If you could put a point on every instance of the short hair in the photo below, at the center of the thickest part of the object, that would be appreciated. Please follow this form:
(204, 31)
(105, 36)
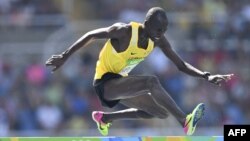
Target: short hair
(155, 12)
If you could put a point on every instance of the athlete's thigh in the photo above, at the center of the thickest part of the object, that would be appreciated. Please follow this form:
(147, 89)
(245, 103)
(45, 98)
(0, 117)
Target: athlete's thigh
(126, 87)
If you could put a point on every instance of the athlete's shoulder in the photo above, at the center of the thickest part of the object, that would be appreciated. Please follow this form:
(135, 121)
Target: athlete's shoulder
(126, 26)
(121, 28)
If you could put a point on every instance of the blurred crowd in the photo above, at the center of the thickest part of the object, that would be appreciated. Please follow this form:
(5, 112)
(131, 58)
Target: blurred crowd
(213, 35)
(24, 12)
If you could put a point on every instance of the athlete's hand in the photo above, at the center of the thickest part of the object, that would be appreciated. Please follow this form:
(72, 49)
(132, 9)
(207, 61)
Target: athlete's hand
(218, 79)
(56, 61)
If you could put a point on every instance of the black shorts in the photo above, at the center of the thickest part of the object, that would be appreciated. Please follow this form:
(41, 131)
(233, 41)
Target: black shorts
(99, 88)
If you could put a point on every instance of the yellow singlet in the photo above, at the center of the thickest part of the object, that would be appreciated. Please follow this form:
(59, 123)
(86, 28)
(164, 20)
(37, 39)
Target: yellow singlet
(123, 62)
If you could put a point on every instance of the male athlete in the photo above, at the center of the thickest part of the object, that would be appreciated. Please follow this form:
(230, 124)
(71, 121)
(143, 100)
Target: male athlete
(126, 47)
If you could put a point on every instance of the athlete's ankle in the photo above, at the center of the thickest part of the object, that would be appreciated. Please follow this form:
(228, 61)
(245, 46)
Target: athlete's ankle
(183, 121)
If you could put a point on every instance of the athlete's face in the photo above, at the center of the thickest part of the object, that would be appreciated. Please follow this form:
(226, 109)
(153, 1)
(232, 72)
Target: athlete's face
(156, 27)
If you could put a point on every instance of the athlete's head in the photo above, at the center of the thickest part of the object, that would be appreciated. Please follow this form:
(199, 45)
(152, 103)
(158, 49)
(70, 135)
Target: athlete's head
(156, 23)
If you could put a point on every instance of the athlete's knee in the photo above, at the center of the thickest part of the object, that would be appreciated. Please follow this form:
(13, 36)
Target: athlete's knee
(152, 81)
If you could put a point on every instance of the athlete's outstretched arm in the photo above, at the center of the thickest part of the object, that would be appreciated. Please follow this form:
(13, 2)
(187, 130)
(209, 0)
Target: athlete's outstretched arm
(186, 67)
(114, 31)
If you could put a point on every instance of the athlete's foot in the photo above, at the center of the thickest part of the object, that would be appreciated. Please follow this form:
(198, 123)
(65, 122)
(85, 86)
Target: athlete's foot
(193, 118)
(102, 127)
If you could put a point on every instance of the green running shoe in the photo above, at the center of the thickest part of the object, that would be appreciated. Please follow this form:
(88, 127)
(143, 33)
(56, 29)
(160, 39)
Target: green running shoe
(193, 118)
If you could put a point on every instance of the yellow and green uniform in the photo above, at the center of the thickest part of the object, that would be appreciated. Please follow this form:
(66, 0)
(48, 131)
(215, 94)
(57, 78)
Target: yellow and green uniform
(123, 62)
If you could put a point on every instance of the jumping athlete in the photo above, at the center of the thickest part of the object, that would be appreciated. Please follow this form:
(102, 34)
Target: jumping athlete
(128, 45)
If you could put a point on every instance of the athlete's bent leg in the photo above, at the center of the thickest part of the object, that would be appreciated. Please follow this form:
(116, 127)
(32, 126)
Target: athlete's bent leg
(143, 106)
(133, 86)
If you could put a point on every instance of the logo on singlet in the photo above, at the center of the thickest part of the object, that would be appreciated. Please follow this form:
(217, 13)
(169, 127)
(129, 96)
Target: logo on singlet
(131, 63)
